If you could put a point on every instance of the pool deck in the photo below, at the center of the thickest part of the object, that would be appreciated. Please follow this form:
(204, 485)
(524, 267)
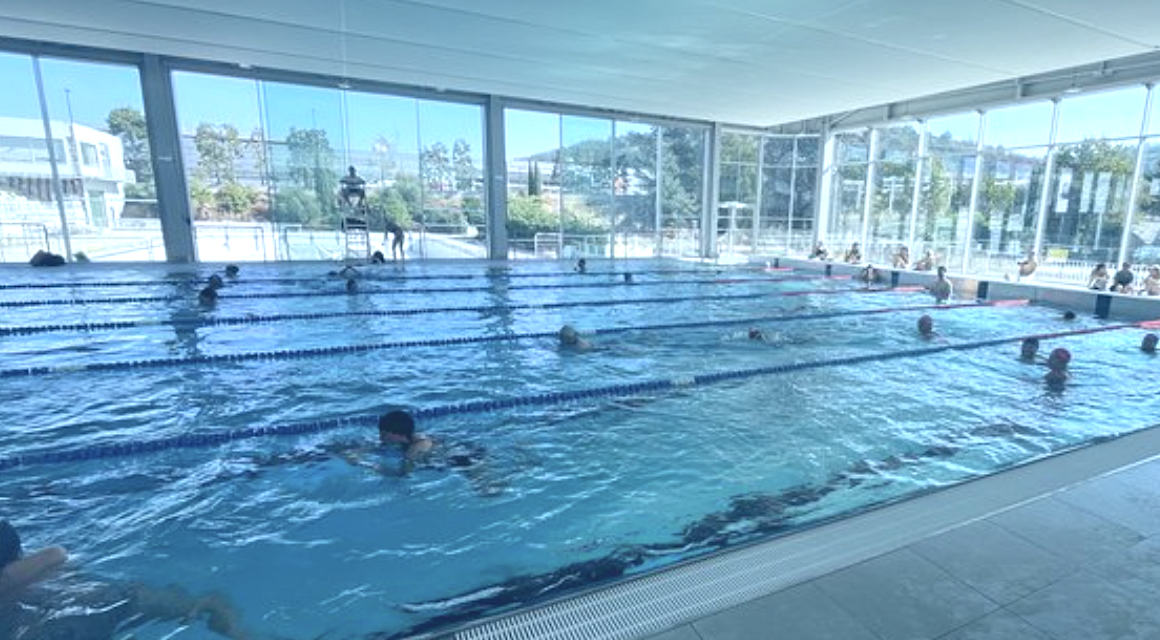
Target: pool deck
(1079, 563)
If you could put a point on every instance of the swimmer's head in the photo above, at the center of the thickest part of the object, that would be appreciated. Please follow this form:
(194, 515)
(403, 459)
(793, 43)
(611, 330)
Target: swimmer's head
(1029, 348)
(925, 325)
(1148, 344)
(215, 282)
(756, 334)
(628, 277)
(378, 258)
(942, 272)
(207, 297)
(1069, 315)
(10, 548)
(1058, 359)
(396, 427)
(569, 335)
(351, 285)
(232, 270)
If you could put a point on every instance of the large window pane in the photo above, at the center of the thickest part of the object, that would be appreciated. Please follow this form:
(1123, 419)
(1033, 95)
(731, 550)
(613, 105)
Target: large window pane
(1025, 125)
(634, 190)
(1004, 224)
(943, 208)
(682, 189)
(737, 221)
(1088, 202)
(889, 210)
(847, 202)
(1112, 114)
(452, 223)
(533, 183)
(1144, 238)
(956, 134)
(227, 172)
(586, 185)
(29, 218)
(305, 141)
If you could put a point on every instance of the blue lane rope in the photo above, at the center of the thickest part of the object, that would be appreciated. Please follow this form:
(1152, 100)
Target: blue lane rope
(199, 440)
(371, 274)
(317, 352)
(198, 322)
(344, 293)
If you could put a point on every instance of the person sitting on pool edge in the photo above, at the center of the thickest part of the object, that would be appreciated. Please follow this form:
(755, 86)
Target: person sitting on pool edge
(17, 570)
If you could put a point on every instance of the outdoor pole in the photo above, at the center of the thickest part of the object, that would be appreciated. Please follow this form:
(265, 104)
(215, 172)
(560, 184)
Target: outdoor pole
(1137, 175)
(1047, 199)
(75, 150)
(53, 160)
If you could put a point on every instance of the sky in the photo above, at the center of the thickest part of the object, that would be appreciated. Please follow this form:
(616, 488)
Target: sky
(362, 120)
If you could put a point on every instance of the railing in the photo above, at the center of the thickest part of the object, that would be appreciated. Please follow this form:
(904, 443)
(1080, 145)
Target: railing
(29, 231)
(236, 247)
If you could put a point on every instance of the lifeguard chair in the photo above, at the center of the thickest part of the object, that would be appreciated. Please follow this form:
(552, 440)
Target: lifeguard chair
(355, 226)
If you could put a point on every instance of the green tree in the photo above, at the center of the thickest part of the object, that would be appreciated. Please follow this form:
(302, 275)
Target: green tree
(258, 151)
(128, 124)
(464, 167)
(435, 168)
(534, 187)
(218, 150)
(296, 205)
(311, 166)
(529, 215)
(235, 200)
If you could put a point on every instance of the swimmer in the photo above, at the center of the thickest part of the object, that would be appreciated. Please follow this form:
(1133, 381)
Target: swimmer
(868, 275)
(215, 282)
(1057, 363)
(232, 270)
(1069, 315)
(378, 258)
(582, 266)
(820, 251)
(756, 334)
(570, 338)
(1029, 349)
(351, 286)
(1148, 344)
(207, 297)
(628, 278)
(18, 570)
(854, 254)
(926, 326)
(397, 428)
(941, 288)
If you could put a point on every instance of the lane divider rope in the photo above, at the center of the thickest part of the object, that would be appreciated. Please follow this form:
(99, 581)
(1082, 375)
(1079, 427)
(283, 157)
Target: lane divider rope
(195, 322)
(317, 352)
(370, 274)
(200, 440)
(440, 290)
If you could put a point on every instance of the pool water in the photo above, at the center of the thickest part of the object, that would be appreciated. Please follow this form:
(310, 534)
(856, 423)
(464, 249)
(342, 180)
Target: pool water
(303, 544)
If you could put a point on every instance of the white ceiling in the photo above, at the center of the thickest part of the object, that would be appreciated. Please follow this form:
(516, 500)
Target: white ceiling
(755, 62)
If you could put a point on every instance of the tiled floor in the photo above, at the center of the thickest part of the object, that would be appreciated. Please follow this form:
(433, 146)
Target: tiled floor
(1081, 564)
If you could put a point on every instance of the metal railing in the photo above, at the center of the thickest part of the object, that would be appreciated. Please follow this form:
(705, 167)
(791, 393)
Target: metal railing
(29, 238)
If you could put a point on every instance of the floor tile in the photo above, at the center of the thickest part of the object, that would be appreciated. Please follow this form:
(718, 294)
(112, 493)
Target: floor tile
(1137, 568)
(1000, 625)
(997, 563)
(1121, 500)
(902, 596)
(1073, 534)
(800, 613)
(1084, 606)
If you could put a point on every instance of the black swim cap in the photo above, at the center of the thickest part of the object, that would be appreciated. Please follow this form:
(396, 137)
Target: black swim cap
(397, 422)
(10, 549)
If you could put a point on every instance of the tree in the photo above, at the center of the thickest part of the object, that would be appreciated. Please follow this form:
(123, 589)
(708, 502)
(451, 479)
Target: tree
(311, 166)
(128, 124)
(464, 166)
(255, 147)
(218, 149)
(435, 167)
(534, 187)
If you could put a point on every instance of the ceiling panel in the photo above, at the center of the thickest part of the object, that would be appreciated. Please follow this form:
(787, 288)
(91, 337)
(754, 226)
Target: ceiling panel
(756, 62)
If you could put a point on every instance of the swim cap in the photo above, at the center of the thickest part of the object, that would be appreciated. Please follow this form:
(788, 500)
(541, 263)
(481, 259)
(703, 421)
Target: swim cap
(10, 549)
(1060, 355)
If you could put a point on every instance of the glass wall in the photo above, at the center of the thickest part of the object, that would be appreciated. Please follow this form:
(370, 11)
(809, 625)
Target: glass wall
(100, 148)
(848, 190)
(948, 172)
(893, 192)
(264, 161)
(583, 186)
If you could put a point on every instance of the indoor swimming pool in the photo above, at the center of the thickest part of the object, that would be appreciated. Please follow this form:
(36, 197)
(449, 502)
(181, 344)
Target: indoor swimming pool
(230, 451)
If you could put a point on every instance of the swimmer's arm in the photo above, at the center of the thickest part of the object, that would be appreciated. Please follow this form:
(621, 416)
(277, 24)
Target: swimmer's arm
(31, 569)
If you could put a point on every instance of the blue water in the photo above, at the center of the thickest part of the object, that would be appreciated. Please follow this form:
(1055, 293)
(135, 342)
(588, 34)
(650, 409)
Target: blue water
(303, 544)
